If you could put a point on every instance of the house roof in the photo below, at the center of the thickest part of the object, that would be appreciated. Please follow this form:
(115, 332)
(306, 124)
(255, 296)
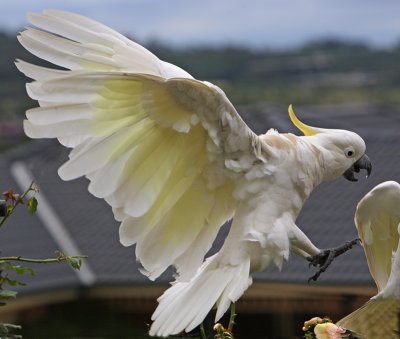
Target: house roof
(88, 223)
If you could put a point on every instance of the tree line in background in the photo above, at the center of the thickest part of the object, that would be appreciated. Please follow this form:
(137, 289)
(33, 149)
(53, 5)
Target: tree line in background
(324, 72)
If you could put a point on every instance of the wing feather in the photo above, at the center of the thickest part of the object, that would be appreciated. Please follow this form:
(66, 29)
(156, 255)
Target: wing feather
(38, 72)
(377, 219)
(57, 114)
(99, 48)
(67, 53)
(163, 151)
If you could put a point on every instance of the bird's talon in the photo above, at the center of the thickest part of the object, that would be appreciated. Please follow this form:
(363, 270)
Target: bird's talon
(319, 259)
(324, 258)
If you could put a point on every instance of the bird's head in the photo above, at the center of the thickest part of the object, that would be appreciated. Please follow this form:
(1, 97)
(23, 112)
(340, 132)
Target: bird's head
(342, 152)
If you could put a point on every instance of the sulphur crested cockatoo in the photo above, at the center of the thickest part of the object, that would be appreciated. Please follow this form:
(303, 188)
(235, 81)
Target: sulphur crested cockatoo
(174, 159)
(378, 222)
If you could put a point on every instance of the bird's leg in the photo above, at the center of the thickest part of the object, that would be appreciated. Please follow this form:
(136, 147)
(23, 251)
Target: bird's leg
(301, 244)
(325, 257)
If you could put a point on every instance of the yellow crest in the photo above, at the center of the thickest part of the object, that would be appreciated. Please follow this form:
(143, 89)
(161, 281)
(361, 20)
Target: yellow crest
(307, 130)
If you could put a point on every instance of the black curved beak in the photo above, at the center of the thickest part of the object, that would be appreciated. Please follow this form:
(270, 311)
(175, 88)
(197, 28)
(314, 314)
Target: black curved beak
(363, 163)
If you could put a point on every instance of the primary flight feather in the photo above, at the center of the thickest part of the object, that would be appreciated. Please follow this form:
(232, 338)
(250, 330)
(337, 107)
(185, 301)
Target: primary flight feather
(174, 159)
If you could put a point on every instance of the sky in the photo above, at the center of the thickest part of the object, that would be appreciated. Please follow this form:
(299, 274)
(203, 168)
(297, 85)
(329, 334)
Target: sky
(252, 23)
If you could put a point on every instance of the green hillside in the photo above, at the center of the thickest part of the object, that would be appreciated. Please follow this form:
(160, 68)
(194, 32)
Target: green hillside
(327, 72)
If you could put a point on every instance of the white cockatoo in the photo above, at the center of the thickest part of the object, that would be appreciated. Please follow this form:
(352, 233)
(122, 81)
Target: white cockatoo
(378, 222)
(174, 159)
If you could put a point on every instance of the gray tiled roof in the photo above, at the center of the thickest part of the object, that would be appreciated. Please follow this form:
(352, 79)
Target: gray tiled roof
(327, 217)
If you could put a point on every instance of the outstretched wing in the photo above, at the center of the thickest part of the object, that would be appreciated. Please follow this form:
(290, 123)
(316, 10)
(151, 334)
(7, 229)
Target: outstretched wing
(164, 150)
(377, 219)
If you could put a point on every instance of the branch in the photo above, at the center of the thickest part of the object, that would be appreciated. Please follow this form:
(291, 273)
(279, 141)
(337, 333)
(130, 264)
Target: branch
(75, 261)
(42, 261)
(10, 209)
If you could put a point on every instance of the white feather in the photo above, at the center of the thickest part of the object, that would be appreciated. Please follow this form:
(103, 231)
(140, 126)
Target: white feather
(378, 219)
(38, 72)
(185, 304)
(56, 114)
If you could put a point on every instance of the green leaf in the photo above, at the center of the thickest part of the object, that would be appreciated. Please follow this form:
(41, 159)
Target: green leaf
(20, 269)
(32, 205)
(74, 262)
(5, 264)
(11, 282)
(7, 294)
(12, 326)
(5, 330)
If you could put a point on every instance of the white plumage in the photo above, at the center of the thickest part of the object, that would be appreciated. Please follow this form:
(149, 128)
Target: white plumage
(174, 159)
(378, 222)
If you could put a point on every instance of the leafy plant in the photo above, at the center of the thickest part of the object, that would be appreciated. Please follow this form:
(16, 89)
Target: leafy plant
(14, 264)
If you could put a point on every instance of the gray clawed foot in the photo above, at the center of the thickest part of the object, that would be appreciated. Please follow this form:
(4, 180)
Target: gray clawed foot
(324, 258)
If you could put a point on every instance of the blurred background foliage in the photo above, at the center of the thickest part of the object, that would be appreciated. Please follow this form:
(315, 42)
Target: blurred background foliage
(323, 72)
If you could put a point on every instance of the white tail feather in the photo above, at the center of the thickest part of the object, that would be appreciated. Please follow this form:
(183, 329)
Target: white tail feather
(185, 304)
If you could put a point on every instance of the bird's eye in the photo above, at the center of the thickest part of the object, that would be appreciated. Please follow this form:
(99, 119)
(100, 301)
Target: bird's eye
(349, 152)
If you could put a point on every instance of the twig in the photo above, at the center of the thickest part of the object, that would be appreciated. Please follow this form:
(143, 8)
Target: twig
(202, 331)
(41, 261)
(12, 207)
(232, 317)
